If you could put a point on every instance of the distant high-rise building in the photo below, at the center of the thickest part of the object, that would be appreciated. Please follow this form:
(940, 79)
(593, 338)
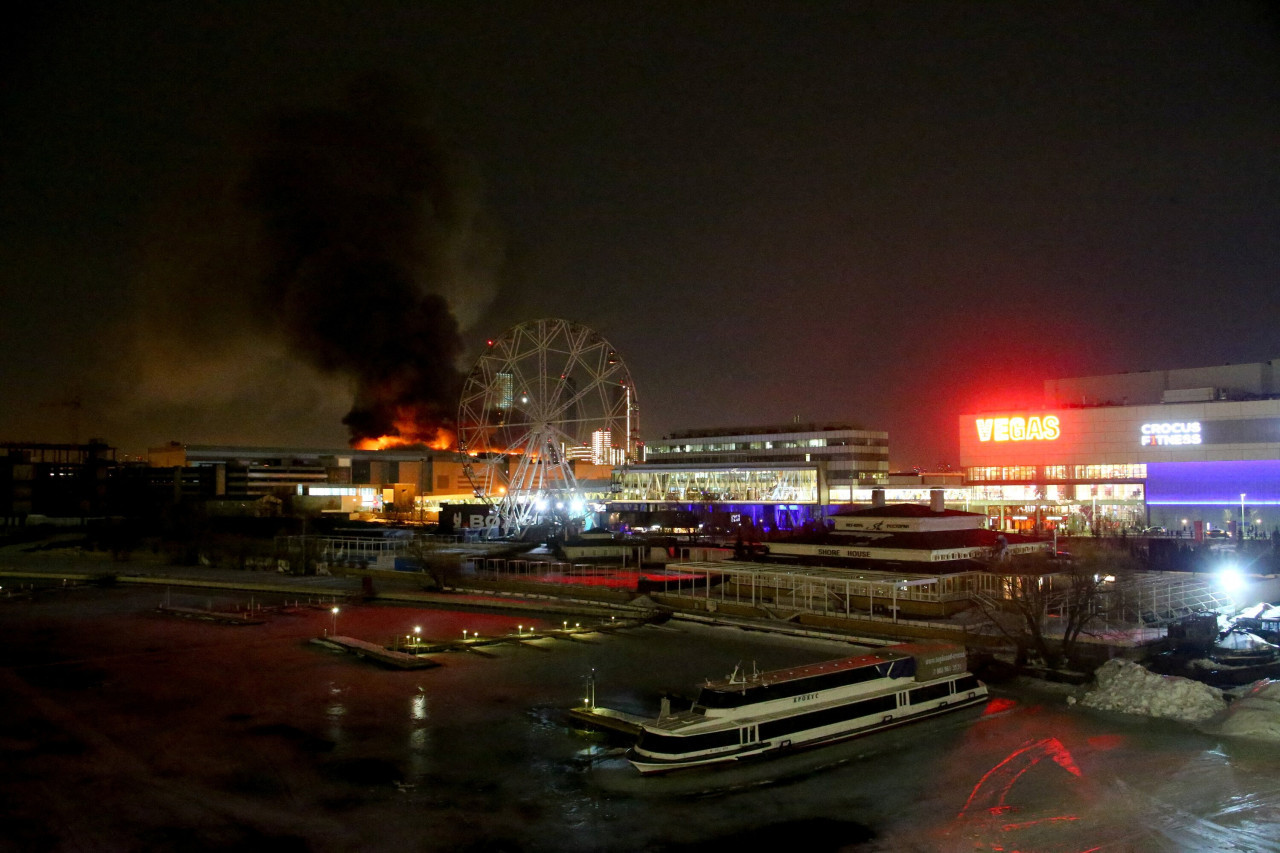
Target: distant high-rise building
(506, 390)
(601, 445)
(580, 453)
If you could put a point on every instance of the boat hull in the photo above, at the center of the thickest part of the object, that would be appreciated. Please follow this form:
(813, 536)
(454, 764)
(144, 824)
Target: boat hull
(813, 739)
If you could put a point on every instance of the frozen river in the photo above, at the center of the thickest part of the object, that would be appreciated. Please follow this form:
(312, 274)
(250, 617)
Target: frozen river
(126, 730)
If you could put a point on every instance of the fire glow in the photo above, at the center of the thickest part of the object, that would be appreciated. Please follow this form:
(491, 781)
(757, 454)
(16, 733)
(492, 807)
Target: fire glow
(409, 433)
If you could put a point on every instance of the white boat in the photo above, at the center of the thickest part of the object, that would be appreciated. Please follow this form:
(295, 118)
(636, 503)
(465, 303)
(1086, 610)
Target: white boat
(751, 716)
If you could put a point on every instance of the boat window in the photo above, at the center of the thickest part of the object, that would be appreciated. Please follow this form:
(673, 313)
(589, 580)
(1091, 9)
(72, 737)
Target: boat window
(966, 682)
(829, 716)
(676, 745)
(928, 694)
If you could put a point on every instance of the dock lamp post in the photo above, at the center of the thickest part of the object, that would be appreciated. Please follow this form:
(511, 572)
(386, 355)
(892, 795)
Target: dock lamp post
(1240, 532)
(417, 634)
(335, 621)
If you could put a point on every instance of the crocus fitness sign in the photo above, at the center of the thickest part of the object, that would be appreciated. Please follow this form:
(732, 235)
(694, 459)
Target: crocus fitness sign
(1178, 432)
(1017, 428)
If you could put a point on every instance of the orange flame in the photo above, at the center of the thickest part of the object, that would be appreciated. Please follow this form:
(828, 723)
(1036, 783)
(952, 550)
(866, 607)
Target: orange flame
(408, 433)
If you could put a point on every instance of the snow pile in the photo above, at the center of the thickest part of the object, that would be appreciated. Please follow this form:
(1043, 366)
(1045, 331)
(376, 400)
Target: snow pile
(1256, 714)
(1126, 687)
(1261, 610)
(1241, 642)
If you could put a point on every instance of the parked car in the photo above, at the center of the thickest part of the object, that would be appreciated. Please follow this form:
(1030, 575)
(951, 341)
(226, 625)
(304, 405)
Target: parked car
(1156, 531)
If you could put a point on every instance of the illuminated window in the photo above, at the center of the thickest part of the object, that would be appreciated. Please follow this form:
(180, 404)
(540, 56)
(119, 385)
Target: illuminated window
(1110, 472)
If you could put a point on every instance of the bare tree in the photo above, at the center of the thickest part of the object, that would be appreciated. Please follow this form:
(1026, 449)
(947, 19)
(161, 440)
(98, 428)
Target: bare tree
(432, 558)
(1020, 610)
(1046, 604)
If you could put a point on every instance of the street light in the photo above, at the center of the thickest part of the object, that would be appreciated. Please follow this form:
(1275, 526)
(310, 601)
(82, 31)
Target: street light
(1231, 580)
(335, 621)
(417, 634)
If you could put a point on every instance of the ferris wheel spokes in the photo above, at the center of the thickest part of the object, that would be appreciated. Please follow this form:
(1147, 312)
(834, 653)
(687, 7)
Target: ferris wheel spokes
(542, 391)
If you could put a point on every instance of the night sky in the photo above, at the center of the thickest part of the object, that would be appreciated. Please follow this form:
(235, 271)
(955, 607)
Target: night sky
(213, 216)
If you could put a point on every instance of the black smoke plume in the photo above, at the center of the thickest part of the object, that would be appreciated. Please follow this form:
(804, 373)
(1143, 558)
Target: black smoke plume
(364, 222)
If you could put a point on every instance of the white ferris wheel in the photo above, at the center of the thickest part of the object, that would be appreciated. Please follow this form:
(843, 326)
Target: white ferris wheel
(544, 395)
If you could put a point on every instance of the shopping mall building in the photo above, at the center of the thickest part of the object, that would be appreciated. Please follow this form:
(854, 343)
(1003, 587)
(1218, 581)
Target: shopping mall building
(1188, 450)
(772, 477)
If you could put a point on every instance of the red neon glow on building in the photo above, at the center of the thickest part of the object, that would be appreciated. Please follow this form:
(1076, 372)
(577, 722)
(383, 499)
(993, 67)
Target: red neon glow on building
(1018, 428)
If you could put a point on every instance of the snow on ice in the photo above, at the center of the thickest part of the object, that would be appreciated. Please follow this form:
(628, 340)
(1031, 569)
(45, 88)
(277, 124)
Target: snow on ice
(1256, 714)
(1127, 687)
(1250, 712)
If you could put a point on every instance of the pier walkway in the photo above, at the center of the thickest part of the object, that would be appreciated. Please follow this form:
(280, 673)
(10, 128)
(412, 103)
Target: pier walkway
(360, 648)
(608, 718)
(227, 617)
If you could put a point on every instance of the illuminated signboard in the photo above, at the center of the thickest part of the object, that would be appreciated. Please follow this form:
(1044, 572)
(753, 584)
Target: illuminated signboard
(1034, 428)
(1173, 433)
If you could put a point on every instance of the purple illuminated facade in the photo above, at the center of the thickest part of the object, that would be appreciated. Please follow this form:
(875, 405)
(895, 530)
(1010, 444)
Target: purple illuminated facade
(1214, 483)
(1216, 493)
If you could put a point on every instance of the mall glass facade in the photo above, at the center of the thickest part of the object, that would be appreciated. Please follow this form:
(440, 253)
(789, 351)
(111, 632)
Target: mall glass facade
(768, 497)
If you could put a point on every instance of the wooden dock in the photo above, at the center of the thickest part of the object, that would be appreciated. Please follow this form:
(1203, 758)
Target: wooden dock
(377, 653)
(415, 650)
(526, 638)
(608, 718)
(239, 617)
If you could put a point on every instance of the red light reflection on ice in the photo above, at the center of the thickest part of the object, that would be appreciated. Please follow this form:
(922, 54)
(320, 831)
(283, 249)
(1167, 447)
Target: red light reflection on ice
(988, 799)
(1010, 827)
(998, 705)
(1104, 742)
(995, 784)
